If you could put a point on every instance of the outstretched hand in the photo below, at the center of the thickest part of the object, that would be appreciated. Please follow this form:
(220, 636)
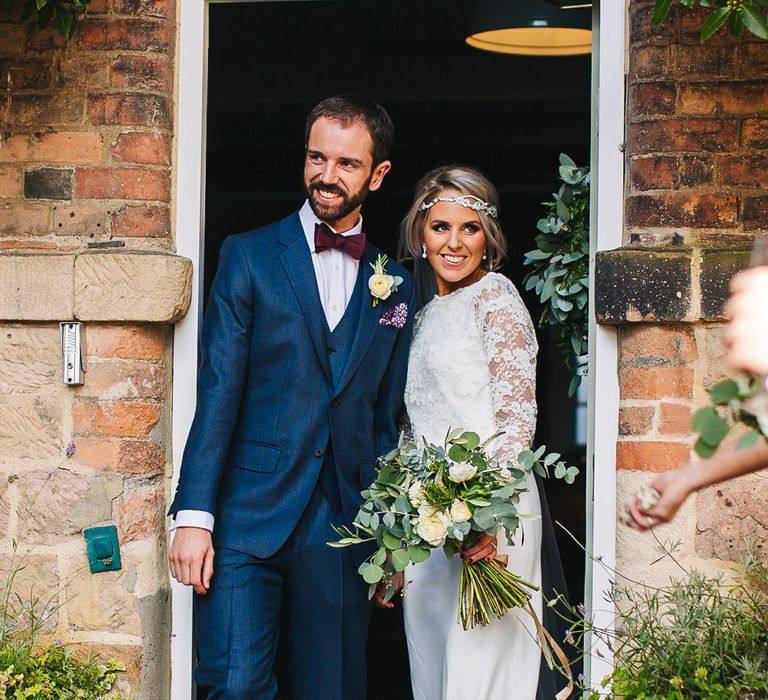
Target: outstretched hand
(673, 488)
(191, 558)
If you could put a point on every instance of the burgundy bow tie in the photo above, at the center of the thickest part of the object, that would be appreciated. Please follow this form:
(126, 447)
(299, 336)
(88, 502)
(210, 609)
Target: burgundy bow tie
(351, 245)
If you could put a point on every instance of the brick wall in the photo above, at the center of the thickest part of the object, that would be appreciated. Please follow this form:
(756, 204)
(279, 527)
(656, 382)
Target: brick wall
(86, 130)
(697, 150)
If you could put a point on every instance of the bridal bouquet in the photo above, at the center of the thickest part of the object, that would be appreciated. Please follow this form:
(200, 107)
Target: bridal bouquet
(447, 496)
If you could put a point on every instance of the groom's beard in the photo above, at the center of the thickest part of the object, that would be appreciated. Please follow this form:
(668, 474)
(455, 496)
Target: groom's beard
(334, 212)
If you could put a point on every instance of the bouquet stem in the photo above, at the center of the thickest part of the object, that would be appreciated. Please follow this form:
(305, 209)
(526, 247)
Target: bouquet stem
(487, 591)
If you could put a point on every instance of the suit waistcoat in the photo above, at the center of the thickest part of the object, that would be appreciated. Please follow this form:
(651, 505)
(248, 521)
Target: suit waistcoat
(339, 343)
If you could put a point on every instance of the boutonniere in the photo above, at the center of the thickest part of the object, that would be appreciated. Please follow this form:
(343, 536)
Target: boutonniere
(380, 283)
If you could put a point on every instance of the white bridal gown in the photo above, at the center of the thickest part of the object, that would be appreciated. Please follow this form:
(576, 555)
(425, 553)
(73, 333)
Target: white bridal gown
(473, 366)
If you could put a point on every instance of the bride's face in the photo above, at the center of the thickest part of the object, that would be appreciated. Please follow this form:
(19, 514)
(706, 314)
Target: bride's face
(455, 243)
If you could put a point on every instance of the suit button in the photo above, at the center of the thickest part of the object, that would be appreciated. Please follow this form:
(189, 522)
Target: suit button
(335, 403)
(319, 452)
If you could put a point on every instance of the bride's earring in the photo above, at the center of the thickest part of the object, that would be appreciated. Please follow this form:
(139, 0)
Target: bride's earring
(423, 250)
(485, 257)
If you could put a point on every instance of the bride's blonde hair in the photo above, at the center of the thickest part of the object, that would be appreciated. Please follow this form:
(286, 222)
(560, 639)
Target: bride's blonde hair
(466, 181)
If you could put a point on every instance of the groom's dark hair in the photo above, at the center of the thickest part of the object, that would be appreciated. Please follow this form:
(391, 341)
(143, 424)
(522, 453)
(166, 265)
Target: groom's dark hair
(348, 109)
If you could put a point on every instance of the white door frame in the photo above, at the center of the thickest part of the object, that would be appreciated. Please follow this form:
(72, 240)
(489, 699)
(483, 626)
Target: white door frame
(608, 194)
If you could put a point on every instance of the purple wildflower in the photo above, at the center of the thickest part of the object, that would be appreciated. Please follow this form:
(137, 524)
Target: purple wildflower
(70, 449)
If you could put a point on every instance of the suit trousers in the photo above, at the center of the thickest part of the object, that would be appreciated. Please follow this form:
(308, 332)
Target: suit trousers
(323, 599)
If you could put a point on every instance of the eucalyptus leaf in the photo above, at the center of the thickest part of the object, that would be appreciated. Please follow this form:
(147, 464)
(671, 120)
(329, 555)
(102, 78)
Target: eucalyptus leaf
(390, 541)
(724, 391)
(400, 559)
(372, 573)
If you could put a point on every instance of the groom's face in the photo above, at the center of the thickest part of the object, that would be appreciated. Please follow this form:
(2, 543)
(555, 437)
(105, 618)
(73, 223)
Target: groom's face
(339, 171)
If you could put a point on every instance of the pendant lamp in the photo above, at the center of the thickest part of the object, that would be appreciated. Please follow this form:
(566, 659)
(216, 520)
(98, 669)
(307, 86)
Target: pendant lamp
(531, 27)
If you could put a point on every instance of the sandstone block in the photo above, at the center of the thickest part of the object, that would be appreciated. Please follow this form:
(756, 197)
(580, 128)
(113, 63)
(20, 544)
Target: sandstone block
(126, 418)
(84, 220)
(30, 358)
(138, 514)
(36, 287)
(31, 424)
(132, 287)
(110, 381)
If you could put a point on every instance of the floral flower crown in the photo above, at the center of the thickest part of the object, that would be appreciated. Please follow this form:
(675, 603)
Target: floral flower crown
(465, 200)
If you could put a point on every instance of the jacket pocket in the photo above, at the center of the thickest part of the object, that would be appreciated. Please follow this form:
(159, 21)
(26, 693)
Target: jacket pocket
(254, 456)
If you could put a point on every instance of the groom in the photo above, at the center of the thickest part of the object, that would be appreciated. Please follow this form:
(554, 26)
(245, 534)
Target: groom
(301, 381)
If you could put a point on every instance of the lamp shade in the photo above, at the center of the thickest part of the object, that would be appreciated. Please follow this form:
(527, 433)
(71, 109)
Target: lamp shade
(530, 27)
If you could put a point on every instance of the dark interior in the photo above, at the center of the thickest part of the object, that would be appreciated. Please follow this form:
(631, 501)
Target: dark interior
(270, 62)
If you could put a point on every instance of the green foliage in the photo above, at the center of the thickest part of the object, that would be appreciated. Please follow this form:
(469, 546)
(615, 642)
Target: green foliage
(560, 263)
(737, 14)
(62, 14)
(690, 639)
(29, 670)
(734, 402)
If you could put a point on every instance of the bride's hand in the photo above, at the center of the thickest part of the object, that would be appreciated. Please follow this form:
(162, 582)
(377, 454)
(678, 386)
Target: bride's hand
(484, 548)
(395, 581)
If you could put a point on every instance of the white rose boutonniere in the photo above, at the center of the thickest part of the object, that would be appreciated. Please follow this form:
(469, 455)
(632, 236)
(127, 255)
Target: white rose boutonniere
(381, 284)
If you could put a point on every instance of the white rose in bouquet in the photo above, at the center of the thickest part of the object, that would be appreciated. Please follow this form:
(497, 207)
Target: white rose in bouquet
(460, 511)
(460, 472)
(415, 494)
(432, 526)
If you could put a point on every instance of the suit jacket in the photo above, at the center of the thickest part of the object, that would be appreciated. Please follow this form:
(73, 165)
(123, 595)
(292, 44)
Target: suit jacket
(267, 406)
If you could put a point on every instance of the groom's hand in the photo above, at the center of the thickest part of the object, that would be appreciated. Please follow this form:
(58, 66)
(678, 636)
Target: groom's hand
(191, 558)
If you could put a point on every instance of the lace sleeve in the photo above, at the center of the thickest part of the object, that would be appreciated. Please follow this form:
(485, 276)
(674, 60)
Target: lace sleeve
(510, 348)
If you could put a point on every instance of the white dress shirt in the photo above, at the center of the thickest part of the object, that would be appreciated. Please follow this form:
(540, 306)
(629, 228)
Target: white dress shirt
(336, 275)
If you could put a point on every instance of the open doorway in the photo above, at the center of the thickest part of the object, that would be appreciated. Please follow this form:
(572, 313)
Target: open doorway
(269, 62)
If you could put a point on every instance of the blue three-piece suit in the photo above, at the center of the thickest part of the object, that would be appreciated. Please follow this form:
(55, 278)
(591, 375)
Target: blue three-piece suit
(290, 419)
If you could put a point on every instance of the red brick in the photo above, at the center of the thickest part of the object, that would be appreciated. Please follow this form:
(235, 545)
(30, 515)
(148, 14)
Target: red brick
(126, 456)
(12, 38)
(164, 9)
(142, 73)
(22, 220)
(687, 348)
(51, 109)
(656, 382)
(83, 416)
(151, 222)
(740, 98)
(26, 74)
(649, 62)
(652, 99)
(130, 110)
(126, 418)
(754, 60)
(138, 147)
(754, 133)
(702, 211)
(674, 419)
(125, 342)
(137, 514)
(62, 147)
(10, 182)
(39, 40)
(654, 173)
(122, 183)
(743, 171)
(636, 420)
(651, 456)
(82, 71)
(681, 135)
(707, 61)
(126, 35)
(27, 245)
(695, 171)
(642, 29)
(647, 345)
(754, 213)
(121, 379)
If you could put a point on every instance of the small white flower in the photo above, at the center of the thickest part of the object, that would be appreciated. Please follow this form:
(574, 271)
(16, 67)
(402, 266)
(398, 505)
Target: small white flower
(432, 526)
(461, 471)
(415, 494)
(381, 286)
(460, 511)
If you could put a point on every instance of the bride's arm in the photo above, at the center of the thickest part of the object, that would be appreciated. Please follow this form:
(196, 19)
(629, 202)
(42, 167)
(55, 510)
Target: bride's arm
(510, 348)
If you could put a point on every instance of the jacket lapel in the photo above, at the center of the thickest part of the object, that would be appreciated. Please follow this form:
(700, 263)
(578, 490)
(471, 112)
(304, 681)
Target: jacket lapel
(298, 267)
(367, 324)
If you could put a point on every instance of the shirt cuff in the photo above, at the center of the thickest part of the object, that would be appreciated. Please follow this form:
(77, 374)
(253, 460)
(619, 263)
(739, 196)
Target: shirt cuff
(193, 518)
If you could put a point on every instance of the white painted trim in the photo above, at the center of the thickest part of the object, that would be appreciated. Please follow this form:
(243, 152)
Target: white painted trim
(190, 158)
(607, 224)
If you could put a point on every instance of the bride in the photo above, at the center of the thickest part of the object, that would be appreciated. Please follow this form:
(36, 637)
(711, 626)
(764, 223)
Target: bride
(473, 366)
